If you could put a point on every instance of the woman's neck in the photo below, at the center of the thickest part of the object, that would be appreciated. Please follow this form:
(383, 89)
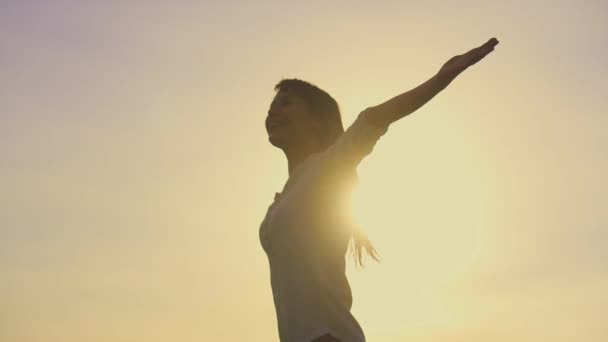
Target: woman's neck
(296, 156)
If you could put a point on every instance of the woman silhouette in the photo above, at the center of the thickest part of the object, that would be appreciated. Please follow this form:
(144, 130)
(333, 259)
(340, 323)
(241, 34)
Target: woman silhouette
(306, 230)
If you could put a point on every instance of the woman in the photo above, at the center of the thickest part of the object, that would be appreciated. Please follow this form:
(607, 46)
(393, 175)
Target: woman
(306, 230)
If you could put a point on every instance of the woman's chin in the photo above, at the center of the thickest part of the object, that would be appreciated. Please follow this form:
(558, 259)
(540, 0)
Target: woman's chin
(276, 140)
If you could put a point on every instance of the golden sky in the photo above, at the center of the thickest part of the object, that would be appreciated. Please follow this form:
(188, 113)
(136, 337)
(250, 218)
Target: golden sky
(136, 170)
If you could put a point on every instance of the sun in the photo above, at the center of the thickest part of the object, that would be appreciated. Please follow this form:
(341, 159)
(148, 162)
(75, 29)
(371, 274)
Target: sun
(426, 226)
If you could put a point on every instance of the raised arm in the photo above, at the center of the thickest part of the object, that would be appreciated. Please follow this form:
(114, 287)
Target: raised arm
(359, 139)
(408, 102)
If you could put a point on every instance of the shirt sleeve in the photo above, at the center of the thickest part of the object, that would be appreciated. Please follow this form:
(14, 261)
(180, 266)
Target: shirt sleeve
(356, 142)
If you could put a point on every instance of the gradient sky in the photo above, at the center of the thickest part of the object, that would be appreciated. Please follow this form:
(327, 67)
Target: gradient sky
(135, 168)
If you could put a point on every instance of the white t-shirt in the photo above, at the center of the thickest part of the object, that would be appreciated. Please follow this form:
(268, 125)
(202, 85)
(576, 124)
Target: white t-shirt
(305, 235)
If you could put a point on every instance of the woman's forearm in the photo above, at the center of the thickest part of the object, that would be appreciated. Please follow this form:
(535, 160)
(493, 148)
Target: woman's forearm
(408, 102)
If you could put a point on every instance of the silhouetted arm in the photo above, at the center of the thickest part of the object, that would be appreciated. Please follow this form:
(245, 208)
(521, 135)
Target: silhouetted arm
(372, 123)
(408, 102)
(356, 142)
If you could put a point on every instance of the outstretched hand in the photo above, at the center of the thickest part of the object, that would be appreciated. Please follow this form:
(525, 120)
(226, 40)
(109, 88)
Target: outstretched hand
(460, 63)
(408, 102)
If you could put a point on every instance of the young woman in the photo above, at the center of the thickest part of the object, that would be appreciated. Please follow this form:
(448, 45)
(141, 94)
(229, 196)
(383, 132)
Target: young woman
(306, 230)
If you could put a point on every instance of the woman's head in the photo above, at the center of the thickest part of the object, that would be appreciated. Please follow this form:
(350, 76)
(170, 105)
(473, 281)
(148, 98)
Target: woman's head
(302, 113)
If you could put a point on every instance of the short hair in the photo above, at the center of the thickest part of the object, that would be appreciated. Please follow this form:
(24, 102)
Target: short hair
(322, 105)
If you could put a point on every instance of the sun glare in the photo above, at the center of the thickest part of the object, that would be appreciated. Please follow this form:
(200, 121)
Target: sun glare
(425, 219)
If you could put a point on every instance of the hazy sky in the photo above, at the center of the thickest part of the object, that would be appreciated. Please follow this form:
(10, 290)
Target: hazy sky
(135, 168)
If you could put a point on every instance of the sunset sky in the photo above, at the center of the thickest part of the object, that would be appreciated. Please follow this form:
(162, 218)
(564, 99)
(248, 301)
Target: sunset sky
(135, 167)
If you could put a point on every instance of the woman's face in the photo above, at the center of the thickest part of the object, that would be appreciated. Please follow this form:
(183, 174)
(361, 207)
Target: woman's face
(290, 121)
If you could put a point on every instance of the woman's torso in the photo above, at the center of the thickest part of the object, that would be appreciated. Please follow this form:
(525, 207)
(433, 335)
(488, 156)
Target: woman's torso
(305, 236)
